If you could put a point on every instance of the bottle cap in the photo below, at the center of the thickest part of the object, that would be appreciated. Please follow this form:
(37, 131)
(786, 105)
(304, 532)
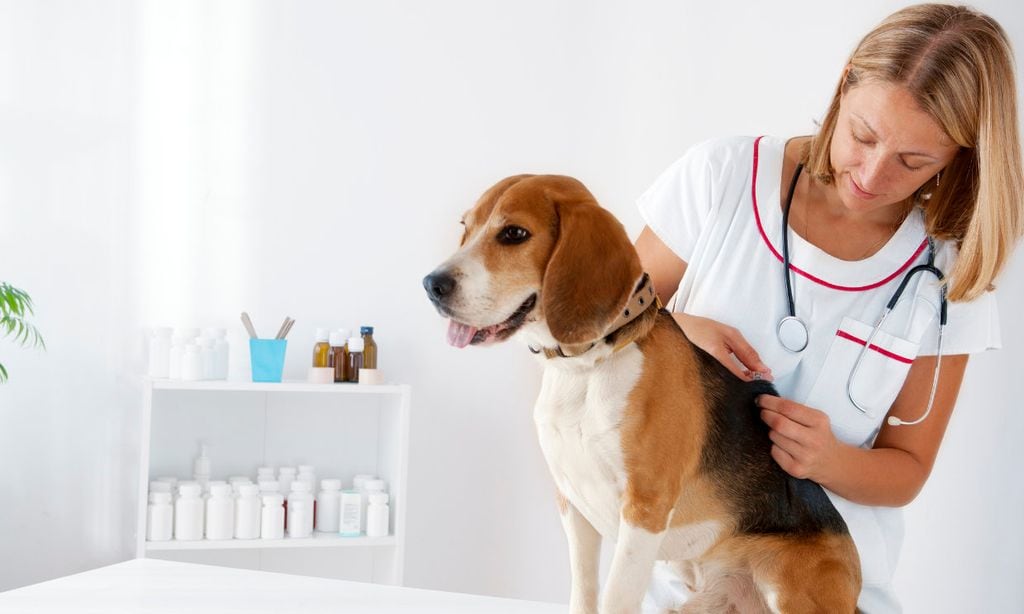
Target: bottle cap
(220, 490)
(375, 486)
(159, 486)
(337, 339)
(377, 497)
(330, 484)
(298, 486)
(360, 479)
(343, 332)
(355, 344)
(267, 486)
(189, 489)
(366, 330)
(265, 471)
(159, 497)
(322, 335)
(273, 499)
(248, 490)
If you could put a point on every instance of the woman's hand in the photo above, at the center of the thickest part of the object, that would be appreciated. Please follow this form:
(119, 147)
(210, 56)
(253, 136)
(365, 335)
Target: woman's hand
(802, 440)
(726, 344)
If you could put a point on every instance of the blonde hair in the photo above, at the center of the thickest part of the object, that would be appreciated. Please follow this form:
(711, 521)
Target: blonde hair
(958, 65)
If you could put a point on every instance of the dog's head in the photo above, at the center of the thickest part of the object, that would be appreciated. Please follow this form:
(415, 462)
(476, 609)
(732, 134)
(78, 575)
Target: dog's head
(538, 254)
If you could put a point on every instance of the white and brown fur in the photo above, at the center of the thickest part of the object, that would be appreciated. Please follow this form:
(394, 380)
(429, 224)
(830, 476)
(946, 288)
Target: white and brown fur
(651, 442)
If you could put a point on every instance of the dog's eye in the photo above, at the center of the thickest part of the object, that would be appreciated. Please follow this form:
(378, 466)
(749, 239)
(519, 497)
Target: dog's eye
(511, 235)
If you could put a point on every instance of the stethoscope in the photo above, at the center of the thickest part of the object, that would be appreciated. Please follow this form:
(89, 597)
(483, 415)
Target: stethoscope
(792, 331)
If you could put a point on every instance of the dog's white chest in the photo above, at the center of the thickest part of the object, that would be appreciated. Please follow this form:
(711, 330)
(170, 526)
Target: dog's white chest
(578, 414)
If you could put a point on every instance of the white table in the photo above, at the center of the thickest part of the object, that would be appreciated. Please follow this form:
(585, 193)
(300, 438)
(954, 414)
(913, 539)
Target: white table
(152, 585)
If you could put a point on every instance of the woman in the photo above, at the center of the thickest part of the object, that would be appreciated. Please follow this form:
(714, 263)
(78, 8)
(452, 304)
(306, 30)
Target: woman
(918, 158)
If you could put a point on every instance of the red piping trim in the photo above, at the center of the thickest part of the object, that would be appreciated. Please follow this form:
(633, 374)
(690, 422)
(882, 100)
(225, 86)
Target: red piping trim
(797, 270)
(882, 351)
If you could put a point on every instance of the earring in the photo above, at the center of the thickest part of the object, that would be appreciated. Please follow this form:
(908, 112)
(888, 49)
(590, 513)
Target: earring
(938, 175)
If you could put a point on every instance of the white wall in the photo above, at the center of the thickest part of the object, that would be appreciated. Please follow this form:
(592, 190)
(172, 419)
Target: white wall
(179, 162)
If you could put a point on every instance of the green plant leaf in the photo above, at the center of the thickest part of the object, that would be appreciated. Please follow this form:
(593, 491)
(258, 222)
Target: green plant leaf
(3, 374)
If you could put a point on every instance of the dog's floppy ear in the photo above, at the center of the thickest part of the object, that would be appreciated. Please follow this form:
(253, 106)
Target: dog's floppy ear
(592, 270)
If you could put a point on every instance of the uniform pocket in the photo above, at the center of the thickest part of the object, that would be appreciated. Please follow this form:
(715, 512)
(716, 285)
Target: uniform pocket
(874, 385)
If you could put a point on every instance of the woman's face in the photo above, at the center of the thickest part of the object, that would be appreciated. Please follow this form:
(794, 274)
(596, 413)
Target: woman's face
(884, 147)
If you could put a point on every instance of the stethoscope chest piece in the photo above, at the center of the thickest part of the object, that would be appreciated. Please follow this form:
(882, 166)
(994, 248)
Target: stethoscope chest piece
(792, 334)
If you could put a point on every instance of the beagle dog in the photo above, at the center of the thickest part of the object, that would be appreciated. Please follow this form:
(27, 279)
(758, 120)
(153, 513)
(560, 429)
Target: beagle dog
(651, 442)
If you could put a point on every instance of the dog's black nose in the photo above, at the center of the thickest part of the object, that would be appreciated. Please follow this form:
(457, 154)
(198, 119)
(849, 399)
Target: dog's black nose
(439, 285)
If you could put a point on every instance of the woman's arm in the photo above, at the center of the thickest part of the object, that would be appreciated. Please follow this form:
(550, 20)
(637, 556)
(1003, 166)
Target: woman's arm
(723, 342)
(891, 473)
(661, 263)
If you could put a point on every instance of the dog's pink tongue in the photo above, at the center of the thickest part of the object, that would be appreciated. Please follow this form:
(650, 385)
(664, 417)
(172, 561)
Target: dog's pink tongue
(460, 334)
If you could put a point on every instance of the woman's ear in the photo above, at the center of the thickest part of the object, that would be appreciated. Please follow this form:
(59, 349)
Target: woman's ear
(591, 272)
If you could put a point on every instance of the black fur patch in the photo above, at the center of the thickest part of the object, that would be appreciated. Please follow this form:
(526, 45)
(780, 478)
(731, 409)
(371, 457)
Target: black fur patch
(764, 498)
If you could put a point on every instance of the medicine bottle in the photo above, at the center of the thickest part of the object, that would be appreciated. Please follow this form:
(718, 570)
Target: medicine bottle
(339, 355)
(322, 348)
(220, 351)
(355, 359)
(188, 512)
(192, 363)
(300, 511)
(176, 354)
(377, 515)
(159, 516)
(328, 506)
(272, 517)
(265, 473)
(247, 512)
(208, 356)
(220, 513)
(285, 477)
(370, 487)
(369, 348)
(351, 514)
(160, 352)
(307, 475)
(269, 487)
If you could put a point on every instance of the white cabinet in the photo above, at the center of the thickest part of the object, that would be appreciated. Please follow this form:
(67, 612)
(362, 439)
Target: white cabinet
(341, 429)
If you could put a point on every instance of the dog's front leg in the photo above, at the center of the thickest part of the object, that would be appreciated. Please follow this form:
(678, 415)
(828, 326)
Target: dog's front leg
(584, 557)
(641, 530)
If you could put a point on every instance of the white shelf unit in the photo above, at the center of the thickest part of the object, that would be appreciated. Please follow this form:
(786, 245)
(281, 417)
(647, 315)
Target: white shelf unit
(340, 429)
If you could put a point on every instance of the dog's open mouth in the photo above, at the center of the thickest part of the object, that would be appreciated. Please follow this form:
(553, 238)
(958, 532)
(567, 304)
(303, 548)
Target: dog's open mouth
(460, 335)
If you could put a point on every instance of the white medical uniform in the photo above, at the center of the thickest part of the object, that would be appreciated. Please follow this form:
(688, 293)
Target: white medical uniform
(719, 209)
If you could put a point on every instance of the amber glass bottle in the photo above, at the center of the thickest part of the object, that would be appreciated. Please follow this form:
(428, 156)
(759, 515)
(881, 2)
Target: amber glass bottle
(321, 349)
(339, 355)
(369, 348)
(355, 359)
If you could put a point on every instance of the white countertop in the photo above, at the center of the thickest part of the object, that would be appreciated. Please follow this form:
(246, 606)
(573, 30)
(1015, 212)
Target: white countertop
(152, 585)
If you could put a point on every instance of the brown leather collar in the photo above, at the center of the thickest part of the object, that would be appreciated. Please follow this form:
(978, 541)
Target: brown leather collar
(641, 300)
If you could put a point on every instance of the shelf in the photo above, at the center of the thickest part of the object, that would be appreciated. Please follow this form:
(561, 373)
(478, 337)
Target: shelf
(286, 386)
(319, 540)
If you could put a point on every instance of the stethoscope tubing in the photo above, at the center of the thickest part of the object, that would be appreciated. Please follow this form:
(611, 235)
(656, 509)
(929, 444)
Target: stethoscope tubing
(792, 320)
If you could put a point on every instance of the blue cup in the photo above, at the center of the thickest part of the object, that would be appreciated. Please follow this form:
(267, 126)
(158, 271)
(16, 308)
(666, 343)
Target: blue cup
(267, 359)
